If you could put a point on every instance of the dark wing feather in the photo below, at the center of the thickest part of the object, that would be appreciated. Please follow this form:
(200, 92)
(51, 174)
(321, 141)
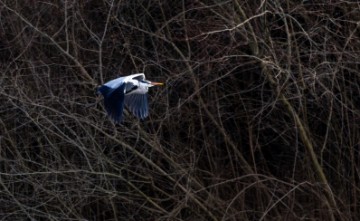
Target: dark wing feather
(114, 101)
(138, 105)
(130, 87)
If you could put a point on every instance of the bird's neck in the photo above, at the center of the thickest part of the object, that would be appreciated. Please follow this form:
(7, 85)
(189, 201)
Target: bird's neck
(142, 88)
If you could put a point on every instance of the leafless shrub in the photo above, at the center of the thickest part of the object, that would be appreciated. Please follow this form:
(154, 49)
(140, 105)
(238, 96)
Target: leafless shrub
(259, 119)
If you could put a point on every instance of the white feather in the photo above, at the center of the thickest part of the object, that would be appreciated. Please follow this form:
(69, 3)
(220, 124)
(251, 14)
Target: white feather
(119, 81)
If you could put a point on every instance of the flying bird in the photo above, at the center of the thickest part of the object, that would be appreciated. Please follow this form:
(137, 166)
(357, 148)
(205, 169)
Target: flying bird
(130, 91)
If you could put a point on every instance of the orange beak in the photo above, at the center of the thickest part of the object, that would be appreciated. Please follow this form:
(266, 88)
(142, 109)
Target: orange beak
(157, 83)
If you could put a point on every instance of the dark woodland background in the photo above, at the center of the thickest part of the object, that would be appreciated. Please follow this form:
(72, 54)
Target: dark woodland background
(258, 119)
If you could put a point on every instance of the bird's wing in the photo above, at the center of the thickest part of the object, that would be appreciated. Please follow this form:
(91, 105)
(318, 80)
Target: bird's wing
(116, 82)
(114, 101)
(137, 104)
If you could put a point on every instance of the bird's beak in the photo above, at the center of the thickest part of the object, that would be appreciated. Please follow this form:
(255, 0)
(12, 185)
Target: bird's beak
(156, 83)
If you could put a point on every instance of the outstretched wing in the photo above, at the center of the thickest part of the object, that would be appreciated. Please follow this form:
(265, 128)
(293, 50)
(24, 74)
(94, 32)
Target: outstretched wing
(138, 105)
(116, 82)
(114, 101)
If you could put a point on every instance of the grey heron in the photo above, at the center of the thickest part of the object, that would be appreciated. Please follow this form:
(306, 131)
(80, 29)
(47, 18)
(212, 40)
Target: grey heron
(130, 91)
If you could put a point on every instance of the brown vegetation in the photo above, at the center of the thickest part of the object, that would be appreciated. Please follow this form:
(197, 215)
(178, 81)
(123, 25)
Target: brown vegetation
(259, 119)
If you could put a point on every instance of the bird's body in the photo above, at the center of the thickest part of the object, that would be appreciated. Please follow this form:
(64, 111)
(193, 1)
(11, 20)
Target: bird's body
(130, 91)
